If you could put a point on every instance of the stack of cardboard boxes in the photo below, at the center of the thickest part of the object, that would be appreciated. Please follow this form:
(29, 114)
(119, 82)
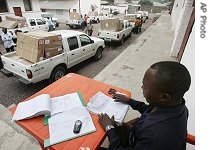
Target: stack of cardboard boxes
(74, 16)
(130, 17)
(21, 21)
(112, 24)
(36, 46)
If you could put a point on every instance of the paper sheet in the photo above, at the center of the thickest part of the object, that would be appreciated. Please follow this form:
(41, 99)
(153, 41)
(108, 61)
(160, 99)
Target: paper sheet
(65, 103)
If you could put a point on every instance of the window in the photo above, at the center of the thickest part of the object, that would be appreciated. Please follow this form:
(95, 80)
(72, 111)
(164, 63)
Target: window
(74, 10)
(85, 40)
(3, 6)
(32, 22)
(27, 5)
(39, 22)
(73, 43)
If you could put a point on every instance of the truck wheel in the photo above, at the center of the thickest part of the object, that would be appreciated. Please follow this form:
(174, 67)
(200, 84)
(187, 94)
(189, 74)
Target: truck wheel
(98, 54)
(71, 27)
(122, 40)
(57, 73)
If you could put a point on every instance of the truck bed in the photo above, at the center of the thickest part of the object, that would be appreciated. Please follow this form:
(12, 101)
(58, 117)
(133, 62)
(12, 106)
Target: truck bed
(16, 58)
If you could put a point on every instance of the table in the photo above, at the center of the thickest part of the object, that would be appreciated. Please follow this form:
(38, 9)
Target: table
(69, 84)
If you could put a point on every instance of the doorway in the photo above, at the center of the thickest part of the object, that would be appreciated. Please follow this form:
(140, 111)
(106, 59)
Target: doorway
(17, 11)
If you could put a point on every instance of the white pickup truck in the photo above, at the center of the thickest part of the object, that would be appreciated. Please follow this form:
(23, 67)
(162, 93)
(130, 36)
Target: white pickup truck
(77, 47)
(23, 24)
(117, 36)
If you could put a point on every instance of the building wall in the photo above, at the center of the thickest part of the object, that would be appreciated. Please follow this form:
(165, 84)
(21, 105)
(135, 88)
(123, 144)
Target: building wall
(188, 59)
(85, 6)
(181, 13)
(19, 3)
(61, 14)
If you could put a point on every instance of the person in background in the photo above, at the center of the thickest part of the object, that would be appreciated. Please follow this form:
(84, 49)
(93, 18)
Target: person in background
(89, 28)
(163, 123)
(137, 25)
(85, 23)
(82, 23)
(50, 24)
(7, 39)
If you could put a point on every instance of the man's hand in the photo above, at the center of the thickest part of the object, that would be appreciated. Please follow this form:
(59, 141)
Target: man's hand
(121, 98)
(105, 120)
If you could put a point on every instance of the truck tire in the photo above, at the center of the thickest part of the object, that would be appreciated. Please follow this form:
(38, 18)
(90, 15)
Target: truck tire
(122, 40)
(98, 54)
(57, 73)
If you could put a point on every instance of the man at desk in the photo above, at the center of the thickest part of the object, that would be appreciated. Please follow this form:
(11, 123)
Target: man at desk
(163, 123)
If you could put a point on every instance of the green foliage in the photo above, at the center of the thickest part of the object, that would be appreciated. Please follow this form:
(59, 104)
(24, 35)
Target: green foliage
(146, 3)
(129, 1)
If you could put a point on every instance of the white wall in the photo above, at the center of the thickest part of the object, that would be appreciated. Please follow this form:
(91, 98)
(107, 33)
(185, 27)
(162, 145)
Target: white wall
(62, 15)
(85, 6)
(181, 13)
(19, 3)
(188, 59)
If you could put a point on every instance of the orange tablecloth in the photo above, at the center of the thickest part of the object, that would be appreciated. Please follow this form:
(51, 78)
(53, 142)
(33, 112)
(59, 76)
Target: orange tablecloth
(69, 84)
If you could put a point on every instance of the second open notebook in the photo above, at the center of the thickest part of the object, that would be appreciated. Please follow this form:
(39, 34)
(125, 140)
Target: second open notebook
(101, 103)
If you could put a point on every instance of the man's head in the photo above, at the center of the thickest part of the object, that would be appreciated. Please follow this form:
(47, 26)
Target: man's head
(48, 18)
(4, 30)
(165, 83)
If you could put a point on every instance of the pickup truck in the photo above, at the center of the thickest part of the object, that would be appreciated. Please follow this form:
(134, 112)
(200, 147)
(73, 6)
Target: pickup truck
(117, 36)
(73, 23)
(77, 47)
(23, 24)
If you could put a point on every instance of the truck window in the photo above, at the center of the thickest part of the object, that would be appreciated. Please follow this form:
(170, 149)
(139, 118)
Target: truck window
(32, 22)
(85, 40)
(73, 43)
(39, 22)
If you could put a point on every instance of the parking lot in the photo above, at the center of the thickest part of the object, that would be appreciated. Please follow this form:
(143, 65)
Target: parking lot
(12, 91)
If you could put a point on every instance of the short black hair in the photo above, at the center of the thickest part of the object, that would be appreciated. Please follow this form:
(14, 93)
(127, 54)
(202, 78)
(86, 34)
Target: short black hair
(172, 77)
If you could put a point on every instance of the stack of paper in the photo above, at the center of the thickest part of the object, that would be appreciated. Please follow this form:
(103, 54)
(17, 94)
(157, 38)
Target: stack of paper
(100, 103)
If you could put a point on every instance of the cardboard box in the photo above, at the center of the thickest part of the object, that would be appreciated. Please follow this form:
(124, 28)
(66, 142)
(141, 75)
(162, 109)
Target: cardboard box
(8, 24)
(111, 24)
(50, 52)
(130, 17)
(34, 46)
(73, 15)
(21, 21)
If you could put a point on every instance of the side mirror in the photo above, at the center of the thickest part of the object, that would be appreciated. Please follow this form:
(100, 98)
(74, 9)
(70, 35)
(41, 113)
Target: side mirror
(92, 41)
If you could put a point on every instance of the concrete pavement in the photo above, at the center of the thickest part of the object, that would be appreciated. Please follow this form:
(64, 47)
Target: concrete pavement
(125, 71)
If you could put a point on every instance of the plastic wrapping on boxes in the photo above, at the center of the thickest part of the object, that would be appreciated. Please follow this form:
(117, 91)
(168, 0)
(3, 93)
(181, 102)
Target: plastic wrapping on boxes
(36, 46)
(112, 24)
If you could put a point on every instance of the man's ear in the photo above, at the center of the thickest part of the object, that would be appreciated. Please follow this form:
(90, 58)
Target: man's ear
(164, 97)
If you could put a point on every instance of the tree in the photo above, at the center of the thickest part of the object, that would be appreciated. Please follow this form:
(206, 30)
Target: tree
(129, 1)
(146, 2)
(110, 1)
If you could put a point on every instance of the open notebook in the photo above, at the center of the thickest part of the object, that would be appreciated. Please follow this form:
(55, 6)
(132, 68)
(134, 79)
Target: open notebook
(45, 105)
(101, 103)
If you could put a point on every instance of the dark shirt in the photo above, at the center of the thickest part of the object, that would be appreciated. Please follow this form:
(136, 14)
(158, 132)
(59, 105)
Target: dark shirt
(164, 129)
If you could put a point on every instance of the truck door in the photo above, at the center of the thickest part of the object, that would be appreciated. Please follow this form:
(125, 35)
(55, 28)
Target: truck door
(87, 47)
(32, 25)
(73, 51)
(41, 25)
